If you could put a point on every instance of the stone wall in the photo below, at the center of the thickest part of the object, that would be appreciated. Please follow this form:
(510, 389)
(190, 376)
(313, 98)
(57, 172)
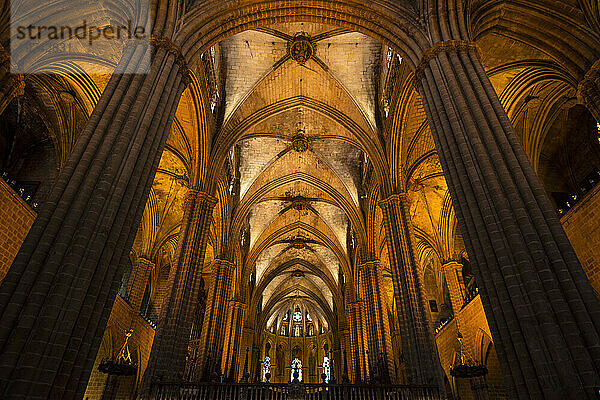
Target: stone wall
(477, 345)
(122, 318)
(16, 217)
(582, 224)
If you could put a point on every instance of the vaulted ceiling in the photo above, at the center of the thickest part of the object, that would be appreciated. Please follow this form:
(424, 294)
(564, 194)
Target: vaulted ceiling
(299, 159)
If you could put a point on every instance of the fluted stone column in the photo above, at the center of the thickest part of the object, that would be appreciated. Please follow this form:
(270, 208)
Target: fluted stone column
(479, 388)
(138, 281)
(456, 286)
(11, 85)
(57, 296)
(212, 339)
(542, 311)
(111, 387)
(238, 311)
(355, 343)
(346, 350)
(377, 324)
(169, 349)
(589, 90)
(418, 345)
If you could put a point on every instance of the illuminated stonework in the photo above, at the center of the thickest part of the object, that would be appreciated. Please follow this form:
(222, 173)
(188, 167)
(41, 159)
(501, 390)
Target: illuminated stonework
(301, 49)
(300, 142)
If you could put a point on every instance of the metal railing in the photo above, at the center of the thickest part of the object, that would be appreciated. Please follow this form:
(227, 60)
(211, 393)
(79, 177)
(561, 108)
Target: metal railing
(283, 391)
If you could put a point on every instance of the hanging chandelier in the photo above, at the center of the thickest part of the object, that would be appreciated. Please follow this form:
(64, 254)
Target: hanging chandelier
(122, 364)
(467, 368)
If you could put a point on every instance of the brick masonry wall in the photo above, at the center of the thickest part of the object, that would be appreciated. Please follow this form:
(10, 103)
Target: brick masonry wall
(122, 318)
(582, 224)
(16, 217)
(476, 337)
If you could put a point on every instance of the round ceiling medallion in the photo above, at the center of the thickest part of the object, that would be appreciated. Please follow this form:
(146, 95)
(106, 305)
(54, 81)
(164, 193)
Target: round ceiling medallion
(300, 142)
(301, 49)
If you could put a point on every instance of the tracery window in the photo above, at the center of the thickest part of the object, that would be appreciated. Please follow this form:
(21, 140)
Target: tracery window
(266, 368)
(297, 315)
(296, 365)
(326, 369)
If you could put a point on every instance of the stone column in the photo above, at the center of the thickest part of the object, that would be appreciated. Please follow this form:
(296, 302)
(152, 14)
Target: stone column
(11, 85)
(589, 90)
(346, 350)
(138, 281)
(56, 298)
(355, 343)
(418, 345)
(238, 311)
(169, 349)
(542, 311)
(111, 387)
(479, 388)
(456, 285)
(376, 321)
(212, 339)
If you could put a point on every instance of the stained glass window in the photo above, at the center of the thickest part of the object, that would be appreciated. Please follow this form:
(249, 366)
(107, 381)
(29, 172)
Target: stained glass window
(297, 315)
(326, 369)
(598, 133)
(266, 368)
(296, 365)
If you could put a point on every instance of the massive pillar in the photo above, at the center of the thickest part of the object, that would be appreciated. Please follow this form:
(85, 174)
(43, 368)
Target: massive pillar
(589, 90)
(456, 286)
(542, 311)
(212, 339)
(376, 321)
(138, 282)
(11, 85)
(57, 296)
(237, 312)
(355, 342)
(420, 353)
(169, 349)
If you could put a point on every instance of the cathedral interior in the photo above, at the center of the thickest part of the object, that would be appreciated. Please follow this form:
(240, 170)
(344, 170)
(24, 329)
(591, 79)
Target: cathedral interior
(316, 194)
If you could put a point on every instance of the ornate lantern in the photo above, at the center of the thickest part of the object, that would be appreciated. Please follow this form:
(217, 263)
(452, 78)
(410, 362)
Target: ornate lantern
(122, 364)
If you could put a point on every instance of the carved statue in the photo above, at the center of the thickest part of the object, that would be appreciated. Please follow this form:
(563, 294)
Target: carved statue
(279, 355)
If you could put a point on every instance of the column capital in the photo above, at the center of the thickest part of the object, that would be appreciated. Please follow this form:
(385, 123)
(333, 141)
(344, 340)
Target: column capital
(4, 55)
(395, 198)
(20, 90)
(588, 90)
(451, 265)
(369, 265)
(161, 42)
(356, 303)
(145, 260)
(237, 304)
(225, 264)
(194, 193)
(447, 46)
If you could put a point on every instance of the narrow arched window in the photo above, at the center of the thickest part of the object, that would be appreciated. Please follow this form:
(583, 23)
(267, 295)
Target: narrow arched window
(266, 368)
(296, 366)
(326, 369)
